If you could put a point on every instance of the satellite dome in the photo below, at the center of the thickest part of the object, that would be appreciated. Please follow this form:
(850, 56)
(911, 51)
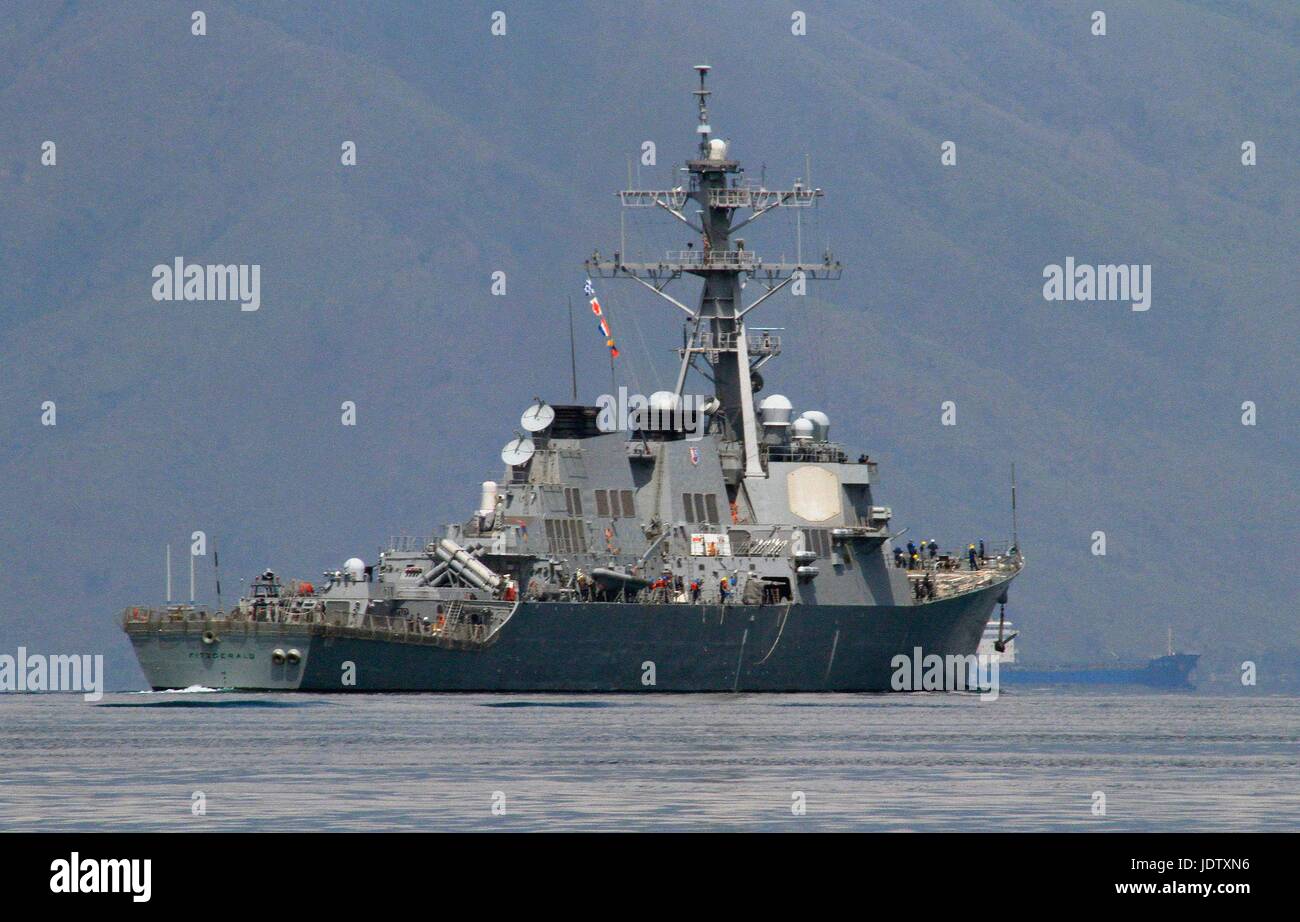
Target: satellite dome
(717, 149)
(775, 410)
(355, 568)
(803, 430)
(665, 400)
(821, 423)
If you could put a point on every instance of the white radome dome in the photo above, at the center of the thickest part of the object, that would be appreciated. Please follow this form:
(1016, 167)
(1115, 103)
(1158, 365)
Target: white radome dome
(775, 410)
(664, 400)
(821, 423)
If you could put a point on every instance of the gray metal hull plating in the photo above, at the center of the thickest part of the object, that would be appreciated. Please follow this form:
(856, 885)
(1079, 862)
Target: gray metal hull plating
(591, 647)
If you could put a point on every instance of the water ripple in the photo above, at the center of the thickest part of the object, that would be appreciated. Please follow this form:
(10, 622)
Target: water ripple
(655, 762)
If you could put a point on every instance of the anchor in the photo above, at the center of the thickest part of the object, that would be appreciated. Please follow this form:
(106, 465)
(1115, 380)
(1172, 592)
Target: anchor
(1001, 643)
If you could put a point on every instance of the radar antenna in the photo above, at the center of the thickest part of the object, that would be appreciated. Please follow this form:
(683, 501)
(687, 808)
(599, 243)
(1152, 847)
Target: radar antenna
(716, 327)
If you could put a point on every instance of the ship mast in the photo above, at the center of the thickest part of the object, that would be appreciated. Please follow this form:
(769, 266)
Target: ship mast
(716, 327)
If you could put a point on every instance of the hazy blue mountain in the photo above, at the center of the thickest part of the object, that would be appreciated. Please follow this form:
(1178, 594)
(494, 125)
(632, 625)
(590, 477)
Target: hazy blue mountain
(479, 153)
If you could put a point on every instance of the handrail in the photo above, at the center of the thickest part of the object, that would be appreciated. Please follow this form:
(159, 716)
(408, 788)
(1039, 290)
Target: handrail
(461, 621)
(996, 554)
(728, 259)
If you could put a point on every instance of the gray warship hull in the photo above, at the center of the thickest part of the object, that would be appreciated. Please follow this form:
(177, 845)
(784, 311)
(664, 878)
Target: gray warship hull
(586, 647)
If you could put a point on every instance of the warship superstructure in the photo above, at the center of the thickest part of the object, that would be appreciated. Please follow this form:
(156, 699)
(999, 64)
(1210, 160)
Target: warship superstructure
(716, 546)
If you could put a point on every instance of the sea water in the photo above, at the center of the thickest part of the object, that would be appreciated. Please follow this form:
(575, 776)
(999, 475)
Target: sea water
(1031, 760)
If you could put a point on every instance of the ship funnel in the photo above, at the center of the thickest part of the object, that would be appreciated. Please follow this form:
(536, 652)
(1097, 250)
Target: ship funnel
(803, 430)
(821, 424)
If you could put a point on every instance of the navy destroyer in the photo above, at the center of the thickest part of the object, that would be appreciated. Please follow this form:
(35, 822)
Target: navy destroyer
(711, 545)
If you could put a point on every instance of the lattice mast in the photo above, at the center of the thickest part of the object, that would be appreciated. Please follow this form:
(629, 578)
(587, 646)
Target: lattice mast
(716, 327)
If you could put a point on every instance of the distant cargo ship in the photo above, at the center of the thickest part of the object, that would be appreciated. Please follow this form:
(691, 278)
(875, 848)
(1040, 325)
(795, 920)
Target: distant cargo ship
(1172, 670)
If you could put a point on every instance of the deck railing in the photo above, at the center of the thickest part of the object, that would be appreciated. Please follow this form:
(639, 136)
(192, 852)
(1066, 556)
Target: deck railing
(454, 622)
(996, 555)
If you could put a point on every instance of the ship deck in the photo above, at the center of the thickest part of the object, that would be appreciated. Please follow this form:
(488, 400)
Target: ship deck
(949, 573)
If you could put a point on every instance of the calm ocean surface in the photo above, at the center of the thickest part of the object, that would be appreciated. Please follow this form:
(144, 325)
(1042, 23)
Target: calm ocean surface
(1029, 761)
